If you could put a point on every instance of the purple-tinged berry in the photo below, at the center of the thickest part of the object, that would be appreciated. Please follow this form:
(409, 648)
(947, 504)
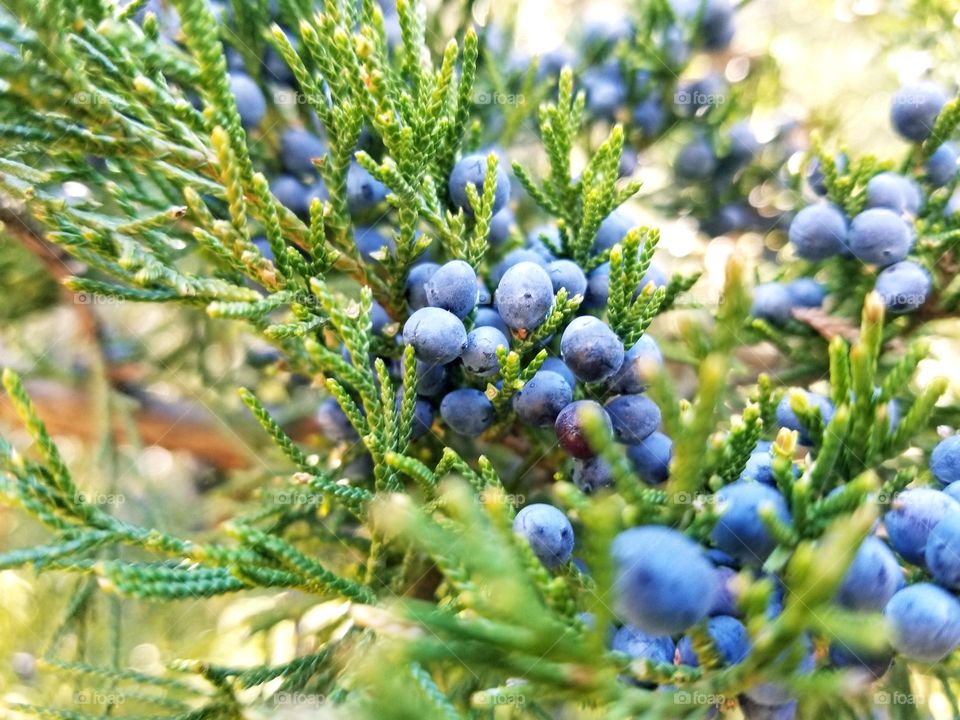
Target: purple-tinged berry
(635, 643)
(787, 418)
(333, 422)
(364, 191)
(251, 104)
(571, 425)
(772, 302)
(806, 292)
(417, 280)
(298, 149)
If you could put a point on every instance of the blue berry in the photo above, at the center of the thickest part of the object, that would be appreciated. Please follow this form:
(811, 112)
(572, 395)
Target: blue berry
(292, 194)
(806, 292)
(500, 227)
(773, 695)
(872, 578)
(554, 364)
(591, 349)
(759, 467)
(598, 288)
(606, 29)
(945, 460)
(635, 643)
(640, 364)
(904, 286)
(953, 490)
(567, 274)
(923, 622)
(570, 426)
(892, 191)
(592, 474)
(651, 458)
(873, 662)
(417, 280)
(696, 160)
(772, 302)
(915, 108)
(716, 24)
(756, 711)
(333, 422)
(541, 398)
(480, 355)
(662, 580)
(880, 237)
(942, 165)
(453, 287)
(472, 169)
(725, 598)
(729, 636)
(372, 244)
(548, 532)
(912, 515)
(634, 417)
(467, 411)
(787, 418)
(524, 296)
(613, 229)
(742, 141)
(488, 317)
(364, 191)
(515, 257)
(297, 150)
(437, 336)
(650, 116)
(605, 90)
(740, 530)
(941, 555)
(818, 231)
(674, 48)
(251, 104)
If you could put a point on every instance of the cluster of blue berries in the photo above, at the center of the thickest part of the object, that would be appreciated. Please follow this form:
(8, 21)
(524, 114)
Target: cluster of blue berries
(883, 234)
